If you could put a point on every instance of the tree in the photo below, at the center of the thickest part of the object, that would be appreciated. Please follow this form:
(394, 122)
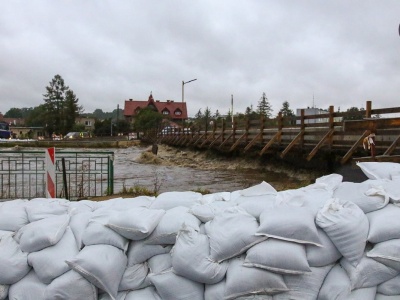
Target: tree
(61, 106)
(285, 110)
(264, 107)
(37, 117)
(13, 113)
(149, 122)
(354, 113)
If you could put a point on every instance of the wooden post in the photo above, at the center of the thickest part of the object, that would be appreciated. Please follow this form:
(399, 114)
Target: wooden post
(280, 125)
(368, 108)
(303, 126)
(223, 131)
(247, 130)
(331, 124)
(262, 125)
(234, 125)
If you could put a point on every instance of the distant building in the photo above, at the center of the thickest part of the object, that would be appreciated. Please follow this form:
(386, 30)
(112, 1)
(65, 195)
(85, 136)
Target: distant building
(175, 111)
(86, 121)
(313, 112)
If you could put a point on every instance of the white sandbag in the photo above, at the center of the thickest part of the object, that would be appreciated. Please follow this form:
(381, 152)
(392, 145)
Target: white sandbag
(135, 224)
(231, 233)
(193, 247)
(13, 215)
(173, 287)
(40, 234)
(4, 291)
(170, 224)
(78, 224)
(170, 200)
(97, 232)
(387, 253)
(368, 272)
(122, 204)
(49, 263)
(289, 223)
(390, 287)
(384, 224)
(278, 256)
(148, 293)
(102, 265)
(329, 182)
(263, 188)
(210, 198)
(255, 205)
(215, 291)
(134, 278)
(347, 227)
(41, 208)
(82, 206)
(304, 286)
(322, 256)
(363, 294)
(120, 295)
(379, 170)
(13, 262)
(70, 286)
(336, 285)
(207, 212)
(138, 251)
(28, 288)
(385, 297)
(364, 195)
(392, 190)
(245, 281)
(160, 263)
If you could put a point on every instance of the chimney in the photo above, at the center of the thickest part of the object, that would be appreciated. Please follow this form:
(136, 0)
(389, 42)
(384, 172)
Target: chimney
(130, 99)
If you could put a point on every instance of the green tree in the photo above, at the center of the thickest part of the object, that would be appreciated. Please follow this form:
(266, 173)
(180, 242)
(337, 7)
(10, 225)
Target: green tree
(37, 117)
(264, 107)
(285, 110)
(149, 122)
(354, 113)
(61, 106)
(14, 113)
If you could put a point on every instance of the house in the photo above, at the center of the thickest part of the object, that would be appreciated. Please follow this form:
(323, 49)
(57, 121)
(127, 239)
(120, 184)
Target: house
(88, 122)
(175, 111)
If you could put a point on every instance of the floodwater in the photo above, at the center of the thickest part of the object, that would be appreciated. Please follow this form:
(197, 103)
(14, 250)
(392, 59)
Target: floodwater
(129, 173)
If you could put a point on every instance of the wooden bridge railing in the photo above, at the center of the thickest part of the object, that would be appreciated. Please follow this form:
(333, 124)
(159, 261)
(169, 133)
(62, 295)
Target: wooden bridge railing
(308, 133)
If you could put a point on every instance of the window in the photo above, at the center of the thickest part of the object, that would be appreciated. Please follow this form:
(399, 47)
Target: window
(178, 112)
(165, 112)
(88, 123)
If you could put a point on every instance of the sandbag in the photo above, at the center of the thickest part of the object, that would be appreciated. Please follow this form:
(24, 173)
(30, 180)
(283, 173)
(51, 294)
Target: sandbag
(40, 234)
(390, 287)
(13, 215)
(174, 287)
(28, 288)
(97, 233)
(207, 212)
(385, 297)
(322, 256)
(367, 273)
(102, 265)
(135, 224)
(336, 285)
(4, 291)
(134, 278)
(70, 286)
(304, 286)
(231, 233)
(379, 170)
(278, 256)
(387, 253)
(255, 205)
(78, 224)
(148, 293)
(13, 262)
(49, 263)
(160, 263)
(364, 195)
(82, 206)
(215, 291)
(289, 223)
(41, 208)
(138, 251)
(347, 227)
(384, 224)
(170, 200)
(122, 204)
(363, 294)
(244, 281)
(260, 189)
(193, 247)
(170, 224)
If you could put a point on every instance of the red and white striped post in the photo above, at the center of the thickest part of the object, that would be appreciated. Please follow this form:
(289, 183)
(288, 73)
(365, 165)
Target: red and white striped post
(50, 172)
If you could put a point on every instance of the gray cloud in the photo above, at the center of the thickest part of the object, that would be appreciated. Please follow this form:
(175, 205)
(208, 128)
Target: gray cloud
(340, 53)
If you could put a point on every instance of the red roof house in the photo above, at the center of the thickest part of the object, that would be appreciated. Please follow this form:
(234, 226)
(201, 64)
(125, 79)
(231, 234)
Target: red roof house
(175, 111)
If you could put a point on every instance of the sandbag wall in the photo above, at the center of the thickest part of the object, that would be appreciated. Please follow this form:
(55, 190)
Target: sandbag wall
(329, 240)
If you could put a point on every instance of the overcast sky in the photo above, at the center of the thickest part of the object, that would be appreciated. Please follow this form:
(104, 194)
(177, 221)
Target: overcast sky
(306, 52)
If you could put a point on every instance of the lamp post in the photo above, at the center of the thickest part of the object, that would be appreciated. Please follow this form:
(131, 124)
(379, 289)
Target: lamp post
(183, 90)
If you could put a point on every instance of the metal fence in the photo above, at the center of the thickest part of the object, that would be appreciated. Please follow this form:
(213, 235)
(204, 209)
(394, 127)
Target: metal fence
(78, 174)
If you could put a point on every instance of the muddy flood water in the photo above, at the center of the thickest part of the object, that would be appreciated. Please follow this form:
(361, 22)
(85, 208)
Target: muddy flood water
(129, 172)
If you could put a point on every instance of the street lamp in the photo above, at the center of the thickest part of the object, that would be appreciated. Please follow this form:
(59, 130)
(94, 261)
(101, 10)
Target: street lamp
(183, 84)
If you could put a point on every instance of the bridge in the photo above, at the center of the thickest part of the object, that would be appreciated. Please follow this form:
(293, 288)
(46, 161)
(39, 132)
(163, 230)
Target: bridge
(305, 136)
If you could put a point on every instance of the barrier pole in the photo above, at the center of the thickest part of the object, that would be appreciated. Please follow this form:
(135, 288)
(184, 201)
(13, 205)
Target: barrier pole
(50, 172)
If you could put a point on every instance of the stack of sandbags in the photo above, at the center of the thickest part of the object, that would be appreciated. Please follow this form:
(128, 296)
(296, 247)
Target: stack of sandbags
(329, 240)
